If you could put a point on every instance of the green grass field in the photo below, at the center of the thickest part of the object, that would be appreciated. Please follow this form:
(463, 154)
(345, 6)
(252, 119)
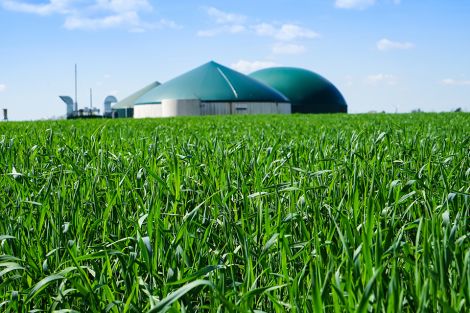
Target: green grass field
(320, 213)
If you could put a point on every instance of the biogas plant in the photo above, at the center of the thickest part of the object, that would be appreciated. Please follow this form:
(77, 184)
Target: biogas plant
(214, 89)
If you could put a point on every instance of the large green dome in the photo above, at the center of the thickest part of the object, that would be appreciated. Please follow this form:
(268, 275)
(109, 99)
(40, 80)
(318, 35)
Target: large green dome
(213, 82)
(307, 91)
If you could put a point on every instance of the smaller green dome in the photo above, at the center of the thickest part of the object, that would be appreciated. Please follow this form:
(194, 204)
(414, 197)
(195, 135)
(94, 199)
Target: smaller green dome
(307, 91)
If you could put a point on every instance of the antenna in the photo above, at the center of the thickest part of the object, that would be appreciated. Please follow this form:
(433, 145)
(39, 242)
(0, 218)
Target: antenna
(76, 100)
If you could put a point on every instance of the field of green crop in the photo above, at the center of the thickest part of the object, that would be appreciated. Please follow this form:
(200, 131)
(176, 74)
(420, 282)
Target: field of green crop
(320, 213)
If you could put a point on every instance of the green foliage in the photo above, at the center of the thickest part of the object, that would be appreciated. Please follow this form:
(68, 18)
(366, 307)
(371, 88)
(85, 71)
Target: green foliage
(301, 213)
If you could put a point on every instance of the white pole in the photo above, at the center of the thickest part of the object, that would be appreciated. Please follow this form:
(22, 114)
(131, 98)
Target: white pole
(76, 100)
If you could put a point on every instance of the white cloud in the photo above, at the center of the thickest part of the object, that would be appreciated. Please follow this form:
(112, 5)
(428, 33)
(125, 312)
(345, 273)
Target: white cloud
(236, 23)
(222, 17)
(3, 87)
(124, 5)
(381, 79)
(233, 29)
(285, 32)
(455, 82)
(245, 66)
(354, 4)
(165, 23)
(51, 7)
(226, 23)
(110, 21)
(287, 48)
(385, 44)
(94, 14)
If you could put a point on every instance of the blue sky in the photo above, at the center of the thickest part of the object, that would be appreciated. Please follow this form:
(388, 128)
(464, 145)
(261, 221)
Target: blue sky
(391, 55)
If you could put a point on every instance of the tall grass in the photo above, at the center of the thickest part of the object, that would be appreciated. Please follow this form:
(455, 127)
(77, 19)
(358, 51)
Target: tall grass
(355, 213)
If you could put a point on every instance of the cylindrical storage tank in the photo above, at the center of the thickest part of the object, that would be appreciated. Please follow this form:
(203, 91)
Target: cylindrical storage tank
(180, 107)
(147, 110)
(284, 108)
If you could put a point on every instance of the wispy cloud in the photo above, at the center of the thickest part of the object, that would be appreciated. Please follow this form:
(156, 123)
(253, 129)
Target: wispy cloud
(232, 23)
(245, 66)
(119, 6)
(93, 14)
(385, 44)
(226, 22)
(222, 17)
(288, 48)
(354, 4)
(130, 19)
(232, 29)
(359, 4)
(381, 79)
(284, 32)
(455, 82)
(3, 87)
(51, 7)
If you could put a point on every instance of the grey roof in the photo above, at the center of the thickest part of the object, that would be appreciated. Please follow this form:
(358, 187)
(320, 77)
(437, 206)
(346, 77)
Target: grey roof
(128, 102)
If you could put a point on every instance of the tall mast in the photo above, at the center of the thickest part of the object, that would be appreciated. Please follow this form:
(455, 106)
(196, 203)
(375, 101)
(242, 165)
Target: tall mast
(91, 99)
(76, 101)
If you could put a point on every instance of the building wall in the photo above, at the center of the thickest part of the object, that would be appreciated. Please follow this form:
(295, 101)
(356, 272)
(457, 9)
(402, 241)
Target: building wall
(170, 108)
(147, 110)
(122, 113)
(181, 107)
(216, 108)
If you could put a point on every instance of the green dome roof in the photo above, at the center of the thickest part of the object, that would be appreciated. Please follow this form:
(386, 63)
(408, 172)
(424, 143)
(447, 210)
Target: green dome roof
(307, 91)
(213, 82)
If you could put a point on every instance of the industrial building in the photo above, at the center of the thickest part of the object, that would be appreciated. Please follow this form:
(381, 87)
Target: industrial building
(125, 107)
(213, 89)
(72, 110)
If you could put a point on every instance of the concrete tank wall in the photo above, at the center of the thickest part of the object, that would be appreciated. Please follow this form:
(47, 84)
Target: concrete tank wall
(215, 108)
(147, 110)
(260, 108)
(284, 108)
(218, 108)
(169, 108)
(180, 107)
